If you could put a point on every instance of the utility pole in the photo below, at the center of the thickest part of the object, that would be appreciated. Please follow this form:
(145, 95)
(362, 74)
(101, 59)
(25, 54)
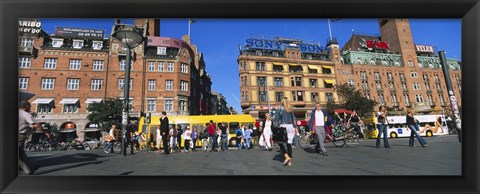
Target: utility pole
(453, 100)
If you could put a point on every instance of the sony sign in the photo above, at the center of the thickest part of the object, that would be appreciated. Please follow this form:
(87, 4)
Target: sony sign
(424, 49)
(276, 45)
(29, 26)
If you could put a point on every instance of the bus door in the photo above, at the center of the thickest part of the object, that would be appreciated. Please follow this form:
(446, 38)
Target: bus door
(232, 127)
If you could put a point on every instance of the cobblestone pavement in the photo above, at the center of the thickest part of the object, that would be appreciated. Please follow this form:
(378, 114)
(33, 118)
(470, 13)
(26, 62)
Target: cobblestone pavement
(442, 157)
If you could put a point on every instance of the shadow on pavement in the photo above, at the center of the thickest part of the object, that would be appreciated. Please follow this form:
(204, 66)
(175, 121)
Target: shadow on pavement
(65, 167)
(278, 157)
(75, 159)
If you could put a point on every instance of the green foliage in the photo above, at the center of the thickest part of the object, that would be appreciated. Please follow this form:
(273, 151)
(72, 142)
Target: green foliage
(106, 113)
(354, 100)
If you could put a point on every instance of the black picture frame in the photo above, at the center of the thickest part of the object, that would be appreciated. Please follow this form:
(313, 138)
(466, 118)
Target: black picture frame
(468, 10)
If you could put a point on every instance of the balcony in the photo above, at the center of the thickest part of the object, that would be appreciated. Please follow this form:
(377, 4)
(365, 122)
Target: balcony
(408, 104)
(363, 78)
(429, 91)
(405, 90)
(402, 79)
(439, 90)
(432, 104)
(393, 90)
(379, 90)
(25, 49)
(395, 104)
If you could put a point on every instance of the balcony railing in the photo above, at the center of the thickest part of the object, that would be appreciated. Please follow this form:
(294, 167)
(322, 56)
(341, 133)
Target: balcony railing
(395, 104)
(433, 104)
(405, 90)
(27, 49)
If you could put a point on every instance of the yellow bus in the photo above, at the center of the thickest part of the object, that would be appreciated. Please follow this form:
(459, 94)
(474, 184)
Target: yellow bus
(199, 122)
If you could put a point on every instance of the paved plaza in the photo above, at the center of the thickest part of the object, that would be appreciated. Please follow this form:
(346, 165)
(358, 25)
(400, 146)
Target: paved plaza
(442, 157)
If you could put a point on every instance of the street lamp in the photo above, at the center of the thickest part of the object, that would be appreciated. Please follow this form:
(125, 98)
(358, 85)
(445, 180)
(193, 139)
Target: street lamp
(130, 37)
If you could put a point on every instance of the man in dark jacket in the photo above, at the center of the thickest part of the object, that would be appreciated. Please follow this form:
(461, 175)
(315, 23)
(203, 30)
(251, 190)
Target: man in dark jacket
(164, 130)
(318, 120)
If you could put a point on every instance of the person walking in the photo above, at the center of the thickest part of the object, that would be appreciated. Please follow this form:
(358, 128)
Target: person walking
(319, 119)
(224, 135)
(164, 130)
(110, 138)
(158, 139)
(211, 135)
(382, 123)
(187, 138)
(25, 124)
(413, 126)
(179, 136)
(194, 138)
(285, 117)
(248, 138)
(239, 137)
(129, 136)
(173, 138)
(267, 131)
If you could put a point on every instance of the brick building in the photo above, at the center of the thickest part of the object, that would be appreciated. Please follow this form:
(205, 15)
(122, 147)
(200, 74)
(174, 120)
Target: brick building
(395, 71)
(270, 69)
(73, 67)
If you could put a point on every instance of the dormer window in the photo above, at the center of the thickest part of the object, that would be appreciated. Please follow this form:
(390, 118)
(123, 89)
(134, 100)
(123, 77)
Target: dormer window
(161, 50)
(275, 54)
(97, 45)
(77, 44)
(57, 42)
(259, 53)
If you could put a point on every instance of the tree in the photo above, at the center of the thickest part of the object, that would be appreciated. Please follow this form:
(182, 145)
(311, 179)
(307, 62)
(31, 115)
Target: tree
(354, 100)
(106, 113)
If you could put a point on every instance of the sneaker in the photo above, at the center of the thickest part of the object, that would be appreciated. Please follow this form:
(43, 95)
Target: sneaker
(293, 147)
(105, 151)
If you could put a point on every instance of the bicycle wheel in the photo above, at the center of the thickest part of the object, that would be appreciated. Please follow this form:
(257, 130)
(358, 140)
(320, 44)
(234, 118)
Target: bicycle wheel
(352, 140)
(304, 141)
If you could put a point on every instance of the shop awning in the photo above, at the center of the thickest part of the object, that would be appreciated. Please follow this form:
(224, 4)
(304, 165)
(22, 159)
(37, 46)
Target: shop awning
(312, 67)
(23, 95)
(294, 64)
(327, 67)
(67, 131)
(328, 81)
(91, 100)
(91, 129)
(69, 101)
(42, 101)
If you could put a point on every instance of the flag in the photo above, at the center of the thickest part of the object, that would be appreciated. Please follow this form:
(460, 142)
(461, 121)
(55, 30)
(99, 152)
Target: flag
(192, 21)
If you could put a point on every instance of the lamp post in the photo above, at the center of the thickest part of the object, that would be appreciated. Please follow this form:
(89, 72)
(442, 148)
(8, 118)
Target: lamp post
(131, 38)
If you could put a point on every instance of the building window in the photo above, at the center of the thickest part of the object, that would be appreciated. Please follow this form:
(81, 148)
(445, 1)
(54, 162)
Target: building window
(57, 42)
(312, 71)
(376, 75)
(278, 81)
(97, 65)
(394, 98)
(26, 42)
(48, 83)
(77, 44)
(44, 108)
(184, 86)
(73, 84)
(23, 83)
(419, 98)
(161, 66)
(364, 85)
(184, 68)
(430, 99)
(329, 97)
(170, 67)
(278, 96)
(151, 106)
(296, 81)
(378, 85)
(75, 64)
(391, 85)
(435, 77)
(96, 84)
(298, 95)
(381, 100)
(363, 75)
(259, 53)
(151, 84)
(169, 85)
(50, 63)
(314, 97)
(326, 70)
(182, 106)
(123, 63)
(97, 45)
(440, 97)
(328, 83)
(410, 63)
(277, 68)
(414, 74)
(407, 99)
(70, 108)
(24, 62)
(416, 86)
(261, 81)
(425, 77)
(260, 66)
(275, 54)
(151, 66)
(262, 96)
(389, 76)
(161, 50)
(402, 76)
(121, 83)
(427, 86)
(351, 83)
(313, 83)
(168, 105)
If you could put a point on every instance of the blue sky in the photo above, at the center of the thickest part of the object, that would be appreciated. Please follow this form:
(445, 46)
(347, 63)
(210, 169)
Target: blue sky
(218, 39)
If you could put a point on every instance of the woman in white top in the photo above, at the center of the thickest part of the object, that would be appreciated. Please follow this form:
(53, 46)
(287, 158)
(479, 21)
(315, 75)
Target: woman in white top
(159, 140)
(187, 137)
(267, 132)
(111, 140)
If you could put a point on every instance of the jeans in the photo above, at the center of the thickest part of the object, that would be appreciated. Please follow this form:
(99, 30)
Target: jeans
(294, 140)
(413, 129)
(225, 141)
(248, 140)
(109, 146)
(287, 151)
(239, 142)
(382, 129)
(213, 141)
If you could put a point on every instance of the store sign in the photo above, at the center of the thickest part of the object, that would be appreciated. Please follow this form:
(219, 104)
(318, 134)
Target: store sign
(424, 49)
(277, 45)
(165, 42)
(373, 44)
(29, 26)
(70, 126)
(78, 32)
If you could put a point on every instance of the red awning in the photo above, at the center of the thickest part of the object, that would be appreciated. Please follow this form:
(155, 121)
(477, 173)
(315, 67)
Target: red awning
(339, 111)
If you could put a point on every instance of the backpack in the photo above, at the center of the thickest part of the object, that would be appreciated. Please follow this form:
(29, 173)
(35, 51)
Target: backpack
(238, 132)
